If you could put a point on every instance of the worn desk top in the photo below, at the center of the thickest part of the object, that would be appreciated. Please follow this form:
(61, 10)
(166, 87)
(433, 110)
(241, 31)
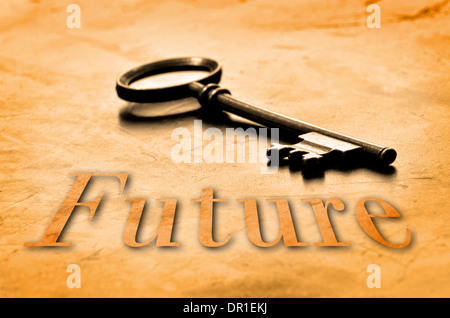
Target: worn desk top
(313, 60)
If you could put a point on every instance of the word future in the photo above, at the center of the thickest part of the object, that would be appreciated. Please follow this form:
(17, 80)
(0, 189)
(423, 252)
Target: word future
(163, 235)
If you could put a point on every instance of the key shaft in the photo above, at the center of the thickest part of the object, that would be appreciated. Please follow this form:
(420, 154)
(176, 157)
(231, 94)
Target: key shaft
(213, 96)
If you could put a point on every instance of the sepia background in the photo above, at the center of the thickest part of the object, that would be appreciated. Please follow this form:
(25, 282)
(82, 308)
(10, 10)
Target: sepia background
(315, 60)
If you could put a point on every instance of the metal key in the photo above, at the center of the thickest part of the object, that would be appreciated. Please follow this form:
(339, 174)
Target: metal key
(317, 144)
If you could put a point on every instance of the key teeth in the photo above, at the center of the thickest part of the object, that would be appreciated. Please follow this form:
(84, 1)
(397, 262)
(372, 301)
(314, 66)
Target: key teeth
(281, 151)
(274, 147)
(299, 160)
(296, 158)
(273, 150)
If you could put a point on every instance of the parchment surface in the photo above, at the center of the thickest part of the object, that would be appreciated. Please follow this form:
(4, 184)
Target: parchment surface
(315, 60)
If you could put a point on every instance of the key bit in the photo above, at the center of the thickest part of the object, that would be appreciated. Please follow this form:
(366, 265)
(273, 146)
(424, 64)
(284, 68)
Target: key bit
(313, 150)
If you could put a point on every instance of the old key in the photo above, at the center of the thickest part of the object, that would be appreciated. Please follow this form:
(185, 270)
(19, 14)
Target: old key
(316, 144)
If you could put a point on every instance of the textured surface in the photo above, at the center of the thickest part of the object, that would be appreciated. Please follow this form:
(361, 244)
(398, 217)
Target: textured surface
(314, 60)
